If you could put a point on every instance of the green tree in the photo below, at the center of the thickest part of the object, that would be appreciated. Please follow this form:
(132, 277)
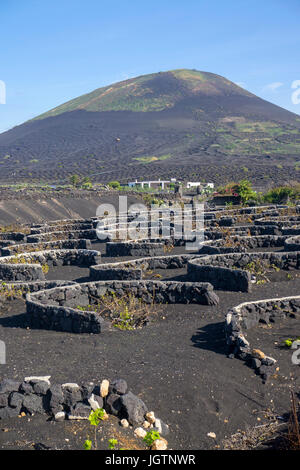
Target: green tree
(245, 191)
(114, 185)
(75, 180)
(86, 183)
(281, 194)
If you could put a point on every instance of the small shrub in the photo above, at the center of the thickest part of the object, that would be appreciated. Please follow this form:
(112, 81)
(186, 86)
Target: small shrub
(150, 437)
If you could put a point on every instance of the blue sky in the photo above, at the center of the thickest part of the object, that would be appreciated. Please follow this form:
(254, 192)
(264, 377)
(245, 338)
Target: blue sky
(54, 50)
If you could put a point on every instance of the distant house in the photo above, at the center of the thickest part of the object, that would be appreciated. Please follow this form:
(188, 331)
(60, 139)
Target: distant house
(159, 184)
(191, 184)
(204, 186)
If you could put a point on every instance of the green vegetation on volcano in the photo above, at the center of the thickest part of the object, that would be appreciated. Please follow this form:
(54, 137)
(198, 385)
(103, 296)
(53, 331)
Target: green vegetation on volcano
(144, 93)
(245, 137)
(150, 159)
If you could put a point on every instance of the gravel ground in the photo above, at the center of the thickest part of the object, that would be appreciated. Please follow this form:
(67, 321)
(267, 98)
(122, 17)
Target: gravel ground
(177, 365)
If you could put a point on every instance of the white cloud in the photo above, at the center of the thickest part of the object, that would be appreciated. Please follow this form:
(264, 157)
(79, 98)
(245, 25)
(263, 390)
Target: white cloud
(272, 87)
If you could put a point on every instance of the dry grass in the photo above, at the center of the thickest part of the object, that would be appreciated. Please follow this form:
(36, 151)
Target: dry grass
(293, 436)
(252, 438)
(275, 434)
(15, 228)
(125, 312)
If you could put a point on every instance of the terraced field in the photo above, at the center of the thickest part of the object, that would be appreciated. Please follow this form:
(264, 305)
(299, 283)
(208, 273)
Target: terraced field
(204, 348)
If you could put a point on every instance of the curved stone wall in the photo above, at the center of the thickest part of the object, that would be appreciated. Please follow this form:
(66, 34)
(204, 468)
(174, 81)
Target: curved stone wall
(248, 315)
(30, 266)
(56, 308)
(134, 249)
(81, 244)
(238, 244)
(70, 227)
(292, 244)
(228, 272)
(134, 269)
(62, 235)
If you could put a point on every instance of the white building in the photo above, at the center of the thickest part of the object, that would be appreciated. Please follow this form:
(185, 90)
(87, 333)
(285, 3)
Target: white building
(152, 184)
(204, 186)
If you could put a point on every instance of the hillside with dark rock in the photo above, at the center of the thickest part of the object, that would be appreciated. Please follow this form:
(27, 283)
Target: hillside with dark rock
(182, 123)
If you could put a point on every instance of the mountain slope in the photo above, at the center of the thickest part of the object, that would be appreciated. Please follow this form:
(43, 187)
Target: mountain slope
(180, 122)
(154, 92)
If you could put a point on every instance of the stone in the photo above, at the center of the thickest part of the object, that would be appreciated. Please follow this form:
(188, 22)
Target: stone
(150, 416)
(56, 398)
(26, 388)
(140, 432)
(134, 408)
(160, 444)
(41, 387)
(146, 425)
(211, 298)
(104, 388)
(87, 390)
(70, 386)
(255, 363)
(95, 402)
(118, 386)
(161, 427)
(124, 423)
(8, 412)
(8, 385)
(33, 404)
(34, 379)
(16, 400)
(60, 416)
(268, 361)
(72, 394)
(113, 404)
(258, 354)
(3, 400)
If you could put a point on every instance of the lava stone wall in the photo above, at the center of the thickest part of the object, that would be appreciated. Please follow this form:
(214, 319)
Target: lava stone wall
(37, 395)
(56, 308)
(248, 315)
(238, 244)
(134, 249)
(33, 271)
(70, 227)
(62, 235)
(134, 269)
(55, 245)
(14, 236)
(21, 272)
(58, 257)
(17, 289)
(292, 244)
(227, 271)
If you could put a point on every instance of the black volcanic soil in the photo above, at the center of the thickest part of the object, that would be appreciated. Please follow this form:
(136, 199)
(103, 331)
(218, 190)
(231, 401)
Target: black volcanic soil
(38, 433)
(31, 206)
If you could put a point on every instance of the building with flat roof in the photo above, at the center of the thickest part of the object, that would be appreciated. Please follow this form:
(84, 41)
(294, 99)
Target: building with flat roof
(161, 184)
(204, 186)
